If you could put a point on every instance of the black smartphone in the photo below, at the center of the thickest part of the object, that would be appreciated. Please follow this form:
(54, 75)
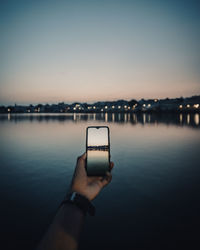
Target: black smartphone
(97, 150)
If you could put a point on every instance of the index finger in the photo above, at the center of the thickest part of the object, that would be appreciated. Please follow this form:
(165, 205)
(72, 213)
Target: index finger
(111, 165)
(82, 157)
(80, 165)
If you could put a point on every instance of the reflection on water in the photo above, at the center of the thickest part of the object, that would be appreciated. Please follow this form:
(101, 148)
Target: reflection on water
(125, 117)
(106, 117)
(113, 117)
(196, 119)
(144, 118)
(188, 119)
(97, 162)
(155, 186)
(182, 119)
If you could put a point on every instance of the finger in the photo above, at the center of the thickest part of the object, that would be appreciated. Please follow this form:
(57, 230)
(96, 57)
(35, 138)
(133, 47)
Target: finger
(81, 161)
(80, 166)
(82, 157)
(107, 179)
(100, 178)
(111, 165)
(95, 178)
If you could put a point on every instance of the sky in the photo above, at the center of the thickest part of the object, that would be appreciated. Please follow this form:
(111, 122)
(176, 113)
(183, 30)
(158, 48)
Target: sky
(82, 50)
(97, 137)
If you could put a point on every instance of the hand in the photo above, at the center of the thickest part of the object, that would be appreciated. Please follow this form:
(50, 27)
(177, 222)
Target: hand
(85, 185)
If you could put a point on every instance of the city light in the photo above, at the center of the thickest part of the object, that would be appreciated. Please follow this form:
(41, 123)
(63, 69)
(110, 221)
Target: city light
(196, 106)
(134, 106)
(143, 105)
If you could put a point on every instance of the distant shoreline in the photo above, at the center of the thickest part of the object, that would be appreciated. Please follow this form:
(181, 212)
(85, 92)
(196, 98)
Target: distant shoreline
(186, 105)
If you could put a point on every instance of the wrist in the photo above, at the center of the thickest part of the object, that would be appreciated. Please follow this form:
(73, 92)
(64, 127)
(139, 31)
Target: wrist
(80, 201)
(81, 192)
(69, 206)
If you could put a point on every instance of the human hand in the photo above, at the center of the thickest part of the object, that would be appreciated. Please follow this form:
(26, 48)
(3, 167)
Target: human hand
(88, 186)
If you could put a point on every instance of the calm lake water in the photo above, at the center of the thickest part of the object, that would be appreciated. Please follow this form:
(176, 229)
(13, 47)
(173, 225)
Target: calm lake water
(153, 201)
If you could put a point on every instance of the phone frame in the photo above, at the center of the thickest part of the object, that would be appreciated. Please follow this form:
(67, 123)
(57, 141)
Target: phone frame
(98, 127)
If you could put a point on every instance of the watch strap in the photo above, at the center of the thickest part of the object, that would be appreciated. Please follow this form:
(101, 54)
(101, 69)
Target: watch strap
(80, 201)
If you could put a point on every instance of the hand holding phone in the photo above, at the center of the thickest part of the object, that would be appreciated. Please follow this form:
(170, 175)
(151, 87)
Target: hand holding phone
(97, 150)
(89, 186)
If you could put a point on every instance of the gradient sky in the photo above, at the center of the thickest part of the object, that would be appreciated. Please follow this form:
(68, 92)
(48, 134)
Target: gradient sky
(52, 51)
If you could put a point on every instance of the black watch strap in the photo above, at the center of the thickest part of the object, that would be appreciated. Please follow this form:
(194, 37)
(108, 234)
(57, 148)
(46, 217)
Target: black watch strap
(80, 201)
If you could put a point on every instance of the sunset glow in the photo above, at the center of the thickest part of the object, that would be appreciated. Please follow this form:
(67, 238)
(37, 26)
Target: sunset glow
(98, 50)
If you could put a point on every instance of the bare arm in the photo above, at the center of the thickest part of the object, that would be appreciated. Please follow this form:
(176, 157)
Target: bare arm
(64, 232)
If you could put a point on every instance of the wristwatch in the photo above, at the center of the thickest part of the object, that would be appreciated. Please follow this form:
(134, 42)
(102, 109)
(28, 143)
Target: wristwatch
(80, 201)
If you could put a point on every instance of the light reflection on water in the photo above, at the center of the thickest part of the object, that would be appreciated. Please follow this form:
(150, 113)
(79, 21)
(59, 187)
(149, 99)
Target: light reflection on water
(188, 119)
(98, 162)
(181, 119)
(196, 119)
(155, 179)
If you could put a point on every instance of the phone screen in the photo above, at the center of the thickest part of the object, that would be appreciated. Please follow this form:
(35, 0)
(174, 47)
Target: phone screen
(98, 150)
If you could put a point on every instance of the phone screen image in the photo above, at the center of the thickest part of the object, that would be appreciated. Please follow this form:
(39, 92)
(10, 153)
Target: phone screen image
(98, 150)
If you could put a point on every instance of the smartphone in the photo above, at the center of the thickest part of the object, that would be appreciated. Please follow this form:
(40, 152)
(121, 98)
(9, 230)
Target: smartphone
(97, 150)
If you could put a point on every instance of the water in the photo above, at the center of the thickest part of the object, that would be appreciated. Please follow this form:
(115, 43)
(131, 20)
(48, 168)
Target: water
(153, 201)
(97, 162)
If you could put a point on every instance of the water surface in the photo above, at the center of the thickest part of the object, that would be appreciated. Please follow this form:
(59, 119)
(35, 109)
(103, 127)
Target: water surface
(152, 202)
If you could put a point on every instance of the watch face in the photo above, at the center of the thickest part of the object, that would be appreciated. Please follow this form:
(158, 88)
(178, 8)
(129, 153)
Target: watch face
(73, 195)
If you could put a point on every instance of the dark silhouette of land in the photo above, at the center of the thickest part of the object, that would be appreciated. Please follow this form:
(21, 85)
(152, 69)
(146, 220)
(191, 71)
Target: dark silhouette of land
(98, 148)
(188, 105)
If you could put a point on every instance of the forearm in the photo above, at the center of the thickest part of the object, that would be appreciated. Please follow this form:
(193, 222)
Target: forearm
(65, 230)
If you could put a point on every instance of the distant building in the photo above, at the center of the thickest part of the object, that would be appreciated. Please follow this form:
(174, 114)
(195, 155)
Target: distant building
(189, 104)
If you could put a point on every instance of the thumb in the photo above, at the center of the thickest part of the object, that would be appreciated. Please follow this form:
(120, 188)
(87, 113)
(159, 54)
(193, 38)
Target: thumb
(80, 166)
(106, 180)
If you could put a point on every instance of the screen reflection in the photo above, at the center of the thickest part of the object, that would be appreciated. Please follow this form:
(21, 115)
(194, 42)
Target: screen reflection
(97, 150)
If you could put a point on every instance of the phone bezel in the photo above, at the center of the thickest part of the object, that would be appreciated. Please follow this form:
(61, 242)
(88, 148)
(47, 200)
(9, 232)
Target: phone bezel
(98, 127)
